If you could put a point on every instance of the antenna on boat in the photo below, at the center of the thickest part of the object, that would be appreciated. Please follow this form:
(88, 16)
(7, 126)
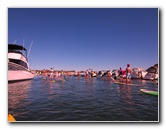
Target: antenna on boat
(30, 48)
(23, 42)
(15, 42)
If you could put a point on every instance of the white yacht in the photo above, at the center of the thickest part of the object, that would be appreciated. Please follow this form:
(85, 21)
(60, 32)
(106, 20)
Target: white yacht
(18, 67)
(138, 73)
(152, 73)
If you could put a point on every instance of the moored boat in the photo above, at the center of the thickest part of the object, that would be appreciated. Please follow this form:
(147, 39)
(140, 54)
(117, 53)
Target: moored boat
(152, 73)
(18, 66)
(138, 73)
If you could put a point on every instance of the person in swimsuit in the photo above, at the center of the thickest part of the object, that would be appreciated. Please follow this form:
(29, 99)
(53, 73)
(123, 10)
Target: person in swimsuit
(51, 74)
(86, 73)
(62, 75)
(109, 73)
(128, 74)
(121, 75)
(44, 74)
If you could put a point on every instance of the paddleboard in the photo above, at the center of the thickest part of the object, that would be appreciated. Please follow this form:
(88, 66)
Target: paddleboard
(60, 80)
(11, 118)
(150, 92)
(127, 84)
(51, 81)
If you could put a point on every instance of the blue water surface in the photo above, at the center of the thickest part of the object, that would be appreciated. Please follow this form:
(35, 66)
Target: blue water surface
(80, 99)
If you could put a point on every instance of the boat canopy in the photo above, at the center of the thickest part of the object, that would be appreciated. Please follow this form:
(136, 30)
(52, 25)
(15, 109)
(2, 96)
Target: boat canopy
(15, 47)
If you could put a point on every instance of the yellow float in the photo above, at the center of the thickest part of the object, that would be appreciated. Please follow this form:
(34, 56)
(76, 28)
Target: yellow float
(11, 118)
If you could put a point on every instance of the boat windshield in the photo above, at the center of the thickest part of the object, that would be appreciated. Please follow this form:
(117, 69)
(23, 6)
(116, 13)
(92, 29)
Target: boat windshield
(24, 53)
(13, 48)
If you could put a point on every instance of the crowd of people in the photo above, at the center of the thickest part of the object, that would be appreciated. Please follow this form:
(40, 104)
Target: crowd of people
(53, 75)
(124, 75)
(128, 72)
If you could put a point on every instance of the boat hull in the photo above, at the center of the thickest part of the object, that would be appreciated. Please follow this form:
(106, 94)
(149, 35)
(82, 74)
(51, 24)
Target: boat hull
(151, 76)
(19, 75)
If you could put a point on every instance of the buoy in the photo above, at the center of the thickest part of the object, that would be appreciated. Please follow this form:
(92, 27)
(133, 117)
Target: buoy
(11, 118)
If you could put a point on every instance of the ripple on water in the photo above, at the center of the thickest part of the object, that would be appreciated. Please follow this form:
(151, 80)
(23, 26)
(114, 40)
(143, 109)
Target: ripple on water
(79, 99)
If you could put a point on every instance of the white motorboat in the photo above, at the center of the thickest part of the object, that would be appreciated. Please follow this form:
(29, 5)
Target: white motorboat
(151, 76)
(138, 73)
(115, 73)
(135, 73)
(152, 73)
(18, 67)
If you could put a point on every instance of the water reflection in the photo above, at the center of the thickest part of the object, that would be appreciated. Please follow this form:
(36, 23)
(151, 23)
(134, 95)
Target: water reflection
(129, 95)
(44, 86)
(17, 93)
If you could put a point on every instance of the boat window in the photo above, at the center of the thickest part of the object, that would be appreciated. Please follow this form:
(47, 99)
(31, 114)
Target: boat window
(14, 51)
(17, 51)
(20, 62)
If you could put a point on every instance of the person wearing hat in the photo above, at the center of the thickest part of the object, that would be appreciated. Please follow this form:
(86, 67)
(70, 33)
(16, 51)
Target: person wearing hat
(128, 74)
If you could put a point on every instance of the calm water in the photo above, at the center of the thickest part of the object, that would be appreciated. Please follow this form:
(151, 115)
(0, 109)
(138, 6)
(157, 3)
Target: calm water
(80, 99)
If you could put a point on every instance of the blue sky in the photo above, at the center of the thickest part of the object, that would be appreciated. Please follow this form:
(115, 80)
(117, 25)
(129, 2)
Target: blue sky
(81, 38)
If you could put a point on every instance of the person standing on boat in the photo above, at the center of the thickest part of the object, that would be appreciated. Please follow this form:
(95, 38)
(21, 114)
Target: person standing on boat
(128, 74)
